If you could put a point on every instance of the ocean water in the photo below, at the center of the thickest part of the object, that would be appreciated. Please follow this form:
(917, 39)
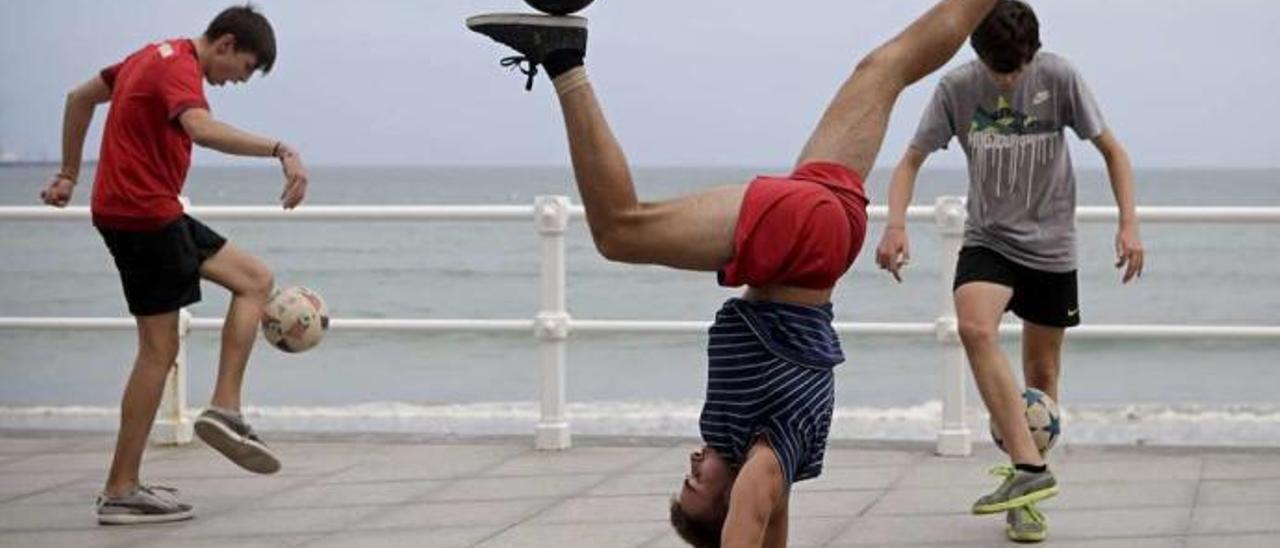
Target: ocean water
(1163, 392)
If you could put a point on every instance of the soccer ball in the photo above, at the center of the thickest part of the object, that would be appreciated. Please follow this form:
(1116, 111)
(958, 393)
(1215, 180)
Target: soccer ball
(558, 7)
(295, 319)
(1042, 418)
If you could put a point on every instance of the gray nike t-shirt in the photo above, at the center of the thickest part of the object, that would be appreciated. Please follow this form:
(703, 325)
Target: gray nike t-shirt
(1022, 189)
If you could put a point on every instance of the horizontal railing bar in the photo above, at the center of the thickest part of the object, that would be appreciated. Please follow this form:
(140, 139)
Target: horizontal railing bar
(1101, 331)
(664, 326)
(1155, 214)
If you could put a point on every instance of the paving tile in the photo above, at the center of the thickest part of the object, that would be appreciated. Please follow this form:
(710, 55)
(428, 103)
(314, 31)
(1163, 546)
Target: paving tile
(1261, 466)
(454, 537)
(639, 484)
(244, 541)
(1124, 495)
(801, 533)
(1154, 469)
(843, 479)
(1234, 541)
(82, 492)
(369, 492)
(92, 536)
(1253, 518)
(1125, 542)
(607, 509)
(251, 522)
(841, 458)
(441, 462)
(666, 460)
(498, 513)
(15, 517)
(22, 484)
(947, 474)
(925, 500)
(614, 535)
(32, 446)
(905, 530)
(822, 504)
(1231, 492)
(1117, 522)
(588, 460)
(485, 488)
(54, 462)
(348, 494)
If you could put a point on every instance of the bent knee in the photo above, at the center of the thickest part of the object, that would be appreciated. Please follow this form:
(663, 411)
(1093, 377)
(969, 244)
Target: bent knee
(978, 333)
(258, 281)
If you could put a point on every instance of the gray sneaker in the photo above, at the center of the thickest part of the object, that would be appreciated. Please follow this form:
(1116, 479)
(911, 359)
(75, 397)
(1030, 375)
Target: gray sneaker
(1026, 524)
(236, 440)
(532, 36)
(146, 504)
(1018, 489)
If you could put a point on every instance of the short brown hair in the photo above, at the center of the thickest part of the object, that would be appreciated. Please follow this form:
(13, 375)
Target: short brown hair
(700, 534)
(252, 31)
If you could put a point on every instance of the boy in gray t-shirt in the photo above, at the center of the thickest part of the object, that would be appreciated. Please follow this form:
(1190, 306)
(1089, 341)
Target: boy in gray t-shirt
(1008, 109)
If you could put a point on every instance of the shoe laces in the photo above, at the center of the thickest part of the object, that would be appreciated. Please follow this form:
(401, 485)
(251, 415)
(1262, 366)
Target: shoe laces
(524, 65)
(1002, 470)
(161, 492)
(1034, 514)
(1024, 515)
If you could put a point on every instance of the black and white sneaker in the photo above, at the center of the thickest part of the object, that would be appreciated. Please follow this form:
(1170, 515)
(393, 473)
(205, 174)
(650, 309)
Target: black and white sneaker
(236, 440)
(533, 36)
(145, 504)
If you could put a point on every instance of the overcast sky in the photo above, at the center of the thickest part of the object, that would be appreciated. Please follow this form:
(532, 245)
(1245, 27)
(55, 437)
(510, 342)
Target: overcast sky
(693, 82)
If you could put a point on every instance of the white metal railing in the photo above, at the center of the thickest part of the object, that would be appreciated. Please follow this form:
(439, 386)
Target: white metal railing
(553, 325)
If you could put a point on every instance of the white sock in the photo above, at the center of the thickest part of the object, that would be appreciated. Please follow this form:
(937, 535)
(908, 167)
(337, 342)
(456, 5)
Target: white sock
(572, 79)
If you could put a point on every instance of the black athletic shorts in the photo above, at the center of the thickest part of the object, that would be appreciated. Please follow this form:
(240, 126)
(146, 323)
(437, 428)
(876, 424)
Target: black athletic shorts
(160, 269)
(1045, 298)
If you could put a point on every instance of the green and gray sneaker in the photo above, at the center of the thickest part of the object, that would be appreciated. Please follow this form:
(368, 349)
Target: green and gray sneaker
(1018, 489)
(1026, 524)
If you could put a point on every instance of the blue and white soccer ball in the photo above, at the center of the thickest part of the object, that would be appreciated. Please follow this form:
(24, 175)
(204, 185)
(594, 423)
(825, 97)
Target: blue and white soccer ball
(1042, 418)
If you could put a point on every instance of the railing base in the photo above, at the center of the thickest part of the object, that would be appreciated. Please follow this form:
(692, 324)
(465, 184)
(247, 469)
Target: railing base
(551, 436)
(954, 443)
(168, 432)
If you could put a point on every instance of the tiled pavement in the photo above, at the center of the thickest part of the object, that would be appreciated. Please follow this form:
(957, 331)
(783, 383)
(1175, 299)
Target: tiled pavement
(362, 490)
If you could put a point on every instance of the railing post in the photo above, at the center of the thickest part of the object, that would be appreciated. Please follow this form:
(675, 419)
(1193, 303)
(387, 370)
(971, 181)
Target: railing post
(953, 435)
(551, 214)
(173, 425)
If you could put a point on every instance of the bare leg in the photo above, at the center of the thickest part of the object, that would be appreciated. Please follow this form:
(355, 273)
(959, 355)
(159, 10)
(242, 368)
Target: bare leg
(693, 232)
(157, 350)
(250, 283)
(1042, 357)
(852, 129)
(979, 306)
(696, 232)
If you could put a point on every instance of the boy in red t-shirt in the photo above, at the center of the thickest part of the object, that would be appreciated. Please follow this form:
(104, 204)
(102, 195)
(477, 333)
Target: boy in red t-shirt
(157, 110)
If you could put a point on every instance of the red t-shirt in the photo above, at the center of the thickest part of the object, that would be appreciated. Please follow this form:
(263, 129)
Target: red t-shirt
(145, 152)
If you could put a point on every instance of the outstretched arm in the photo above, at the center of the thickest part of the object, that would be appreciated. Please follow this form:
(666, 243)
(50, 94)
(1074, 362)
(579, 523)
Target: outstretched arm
(76, 117)
(222, 137)
(757, 491)
(894, 251)
(1129, 252)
